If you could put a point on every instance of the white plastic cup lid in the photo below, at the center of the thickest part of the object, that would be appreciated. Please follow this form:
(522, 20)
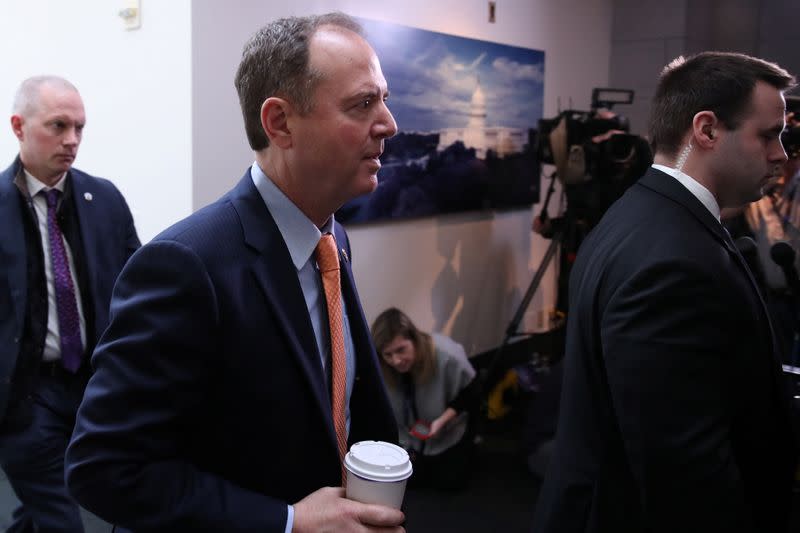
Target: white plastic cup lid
(378, 461)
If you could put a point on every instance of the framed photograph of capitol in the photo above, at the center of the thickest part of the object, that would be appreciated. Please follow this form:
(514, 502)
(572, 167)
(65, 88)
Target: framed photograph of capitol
(466, 112)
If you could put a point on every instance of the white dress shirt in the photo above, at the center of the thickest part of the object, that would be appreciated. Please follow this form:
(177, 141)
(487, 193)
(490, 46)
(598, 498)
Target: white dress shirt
(52, 342)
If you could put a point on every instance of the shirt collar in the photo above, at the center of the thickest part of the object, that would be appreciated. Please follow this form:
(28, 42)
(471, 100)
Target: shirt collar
(299, 233)
(695, 187)
(35, 186)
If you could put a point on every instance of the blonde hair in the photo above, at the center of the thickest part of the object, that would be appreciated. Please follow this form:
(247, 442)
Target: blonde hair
(393, 323)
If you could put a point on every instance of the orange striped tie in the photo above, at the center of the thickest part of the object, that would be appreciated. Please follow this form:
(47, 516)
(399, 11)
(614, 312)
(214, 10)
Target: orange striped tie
(328, 262)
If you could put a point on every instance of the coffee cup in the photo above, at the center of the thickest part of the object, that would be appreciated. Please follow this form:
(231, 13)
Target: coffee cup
(377, 472)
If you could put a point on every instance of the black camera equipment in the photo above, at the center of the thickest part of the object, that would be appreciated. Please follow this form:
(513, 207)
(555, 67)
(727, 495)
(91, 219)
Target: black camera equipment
(791, 135)
(596, 160)
(783, 255)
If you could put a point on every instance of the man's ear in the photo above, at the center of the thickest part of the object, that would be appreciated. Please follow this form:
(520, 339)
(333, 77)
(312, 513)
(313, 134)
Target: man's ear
(275, 113)
(16, 126)
(704, 129)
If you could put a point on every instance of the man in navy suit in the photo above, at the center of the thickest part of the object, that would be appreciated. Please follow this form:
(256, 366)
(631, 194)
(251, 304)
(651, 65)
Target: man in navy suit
(673, 414)
(64, 238)
(210, 405)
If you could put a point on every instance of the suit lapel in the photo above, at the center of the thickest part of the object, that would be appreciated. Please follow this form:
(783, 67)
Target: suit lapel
(275, 273)
(362, 342)
(12, 242)
(86, 209)
(368, 403)
(671, 188)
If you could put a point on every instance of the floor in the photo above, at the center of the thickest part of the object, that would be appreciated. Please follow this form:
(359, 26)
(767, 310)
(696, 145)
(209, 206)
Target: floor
(500, 497)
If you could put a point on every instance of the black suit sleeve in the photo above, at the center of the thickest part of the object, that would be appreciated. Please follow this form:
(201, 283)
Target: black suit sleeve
(668, 348)
(132, 242)
(127, 461)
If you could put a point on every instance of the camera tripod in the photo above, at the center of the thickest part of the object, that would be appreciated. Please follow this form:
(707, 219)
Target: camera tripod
(563, 236)
(512, 330)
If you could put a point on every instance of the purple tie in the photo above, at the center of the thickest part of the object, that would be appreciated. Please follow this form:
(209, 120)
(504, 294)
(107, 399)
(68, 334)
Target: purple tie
(68, 321)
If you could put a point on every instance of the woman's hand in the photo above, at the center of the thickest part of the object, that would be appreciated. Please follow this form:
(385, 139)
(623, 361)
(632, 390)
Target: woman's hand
(441, 422)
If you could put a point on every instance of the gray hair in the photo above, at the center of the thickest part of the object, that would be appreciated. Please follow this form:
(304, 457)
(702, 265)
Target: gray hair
(27, 96)
(275, 62)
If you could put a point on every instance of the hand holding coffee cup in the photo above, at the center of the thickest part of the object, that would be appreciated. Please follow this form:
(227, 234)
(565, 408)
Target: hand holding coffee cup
(327, 509)
(377, 472)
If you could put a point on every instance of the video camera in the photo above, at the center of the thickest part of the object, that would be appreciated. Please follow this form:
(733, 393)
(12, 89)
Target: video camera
(570, 140)
(595, 156)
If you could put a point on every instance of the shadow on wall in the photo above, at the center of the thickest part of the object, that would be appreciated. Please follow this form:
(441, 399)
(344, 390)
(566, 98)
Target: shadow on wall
(474, 293)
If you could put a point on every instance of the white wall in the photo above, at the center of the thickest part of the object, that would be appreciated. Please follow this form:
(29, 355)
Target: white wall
(135, 87)
(463, 274)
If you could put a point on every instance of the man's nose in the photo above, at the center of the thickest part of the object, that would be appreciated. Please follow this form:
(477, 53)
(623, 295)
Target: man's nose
(385, 126)
(71, 137)
(778, 155)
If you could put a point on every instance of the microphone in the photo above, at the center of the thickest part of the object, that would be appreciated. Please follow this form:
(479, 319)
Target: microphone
(783, 255)
(747, 246)
(749, 250)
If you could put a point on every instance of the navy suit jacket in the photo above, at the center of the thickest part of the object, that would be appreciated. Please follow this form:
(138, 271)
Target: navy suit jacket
(109, 238)
(208, 409)
(673, 415)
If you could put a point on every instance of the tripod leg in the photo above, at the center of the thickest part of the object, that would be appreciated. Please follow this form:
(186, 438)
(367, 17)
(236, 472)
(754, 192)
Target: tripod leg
(537, 278)
(486, 375)
(512, 328)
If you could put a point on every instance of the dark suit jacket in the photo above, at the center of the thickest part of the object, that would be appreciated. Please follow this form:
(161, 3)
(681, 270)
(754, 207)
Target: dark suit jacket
(108, 237)
(673, 416)
(208, 409)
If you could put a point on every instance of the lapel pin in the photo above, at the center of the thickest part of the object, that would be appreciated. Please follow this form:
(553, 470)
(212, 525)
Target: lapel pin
(344, 254)
(88, 196)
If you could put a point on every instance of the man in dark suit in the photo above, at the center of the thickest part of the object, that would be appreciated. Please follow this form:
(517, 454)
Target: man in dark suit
(211, 403)
(64, 238)
(673, 416)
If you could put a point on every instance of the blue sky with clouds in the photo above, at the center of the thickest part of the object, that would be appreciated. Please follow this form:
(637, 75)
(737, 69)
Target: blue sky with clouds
(432, 76)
